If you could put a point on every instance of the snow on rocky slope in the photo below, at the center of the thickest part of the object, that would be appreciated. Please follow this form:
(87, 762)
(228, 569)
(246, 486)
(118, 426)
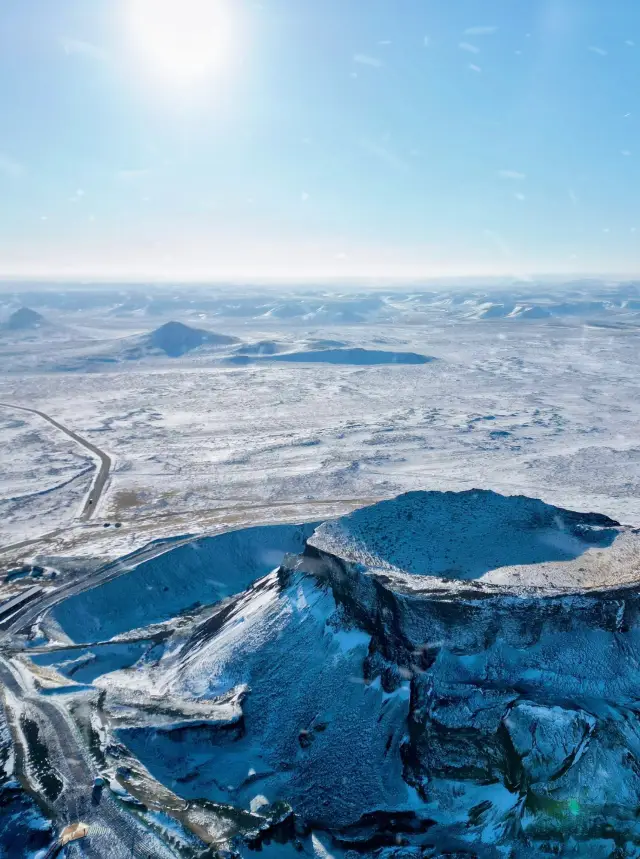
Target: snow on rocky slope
(201, 572)
(407, 681)
(173, 340)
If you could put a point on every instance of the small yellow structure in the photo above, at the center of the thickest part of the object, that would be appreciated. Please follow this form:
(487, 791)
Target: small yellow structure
(73, 832)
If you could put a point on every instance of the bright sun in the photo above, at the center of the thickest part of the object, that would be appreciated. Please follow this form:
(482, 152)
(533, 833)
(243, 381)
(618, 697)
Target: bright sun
(181, 39)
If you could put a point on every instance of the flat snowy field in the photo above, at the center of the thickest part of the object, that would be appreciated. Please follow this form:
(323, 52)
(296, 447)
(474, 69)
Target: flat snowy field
(544, 407)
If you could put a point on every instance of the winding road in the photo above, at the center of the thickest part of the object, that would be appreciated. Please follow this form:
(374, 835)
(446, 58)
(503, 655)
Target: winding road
(102, 475)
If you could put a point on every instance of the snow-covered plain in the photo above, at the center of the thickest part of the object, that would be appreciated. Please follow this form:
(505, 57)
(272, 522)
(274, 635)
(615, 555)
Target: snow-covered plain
(546, 406)
(44, 475)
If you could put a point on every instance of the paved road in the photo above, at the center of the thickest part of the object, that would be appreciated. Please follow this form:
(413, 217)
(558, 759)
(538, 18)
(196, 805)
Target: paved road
(102, 475)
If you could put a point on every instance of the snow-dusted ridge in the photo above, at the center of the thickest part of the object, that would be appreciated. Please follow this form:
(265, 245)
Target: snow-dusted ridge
(513, 544)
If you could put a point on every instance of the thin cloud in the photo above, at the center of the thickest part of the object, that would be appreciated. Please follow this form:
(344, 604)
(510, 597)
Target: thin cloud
(465, 46)
(426, 41)
(9, 167)
(519, 196)
(630, 43)
(83, 49)
(480, 31)
(596, 50)
(573, 197)
(475, 68)
(385, 42)
(511, 174)
(366, 60)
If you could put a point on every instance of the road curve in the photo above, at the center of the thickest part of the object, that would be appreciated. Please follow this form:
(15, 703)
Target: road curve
(120, 566)
(102, 475)
(112, 570)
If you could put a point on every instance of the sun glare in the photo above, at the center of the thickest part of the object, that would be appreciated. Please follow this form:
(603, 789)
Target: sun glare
(182, 40)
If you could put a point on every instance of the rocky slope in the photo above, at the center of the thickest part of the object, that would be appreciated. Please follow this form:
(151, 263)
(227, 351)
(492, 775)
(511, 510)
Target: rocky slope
(23, 828)
(411, 684)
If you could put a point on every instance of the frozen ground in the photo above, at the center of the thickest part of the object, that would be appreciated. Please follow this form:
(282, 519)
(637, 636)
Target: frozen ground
(542, 406)
(44, 475)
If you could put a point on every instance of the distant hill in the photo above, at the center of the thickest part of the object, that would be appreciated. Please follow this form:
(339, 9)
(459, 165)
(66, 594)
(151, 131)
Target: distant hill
(25, 319)
(175, 339)
(489, 310)
(172, 340)
(262, 347)
(532, 312)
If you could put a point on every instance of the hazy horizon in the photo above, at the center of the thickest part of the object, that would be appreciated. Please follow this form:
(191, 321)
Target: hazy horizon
(7, 283)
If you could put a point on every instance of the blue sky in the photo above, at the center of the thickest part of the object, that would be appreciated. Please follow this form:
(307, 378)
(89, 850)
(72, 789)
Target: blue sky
(303, 139)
